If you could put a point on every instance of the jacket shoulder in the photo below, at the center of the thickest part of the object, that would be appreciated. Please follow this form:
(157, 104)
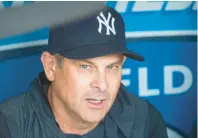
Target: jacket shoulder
(12, 113)
(156, 127)
(146, 118)
(12, 104)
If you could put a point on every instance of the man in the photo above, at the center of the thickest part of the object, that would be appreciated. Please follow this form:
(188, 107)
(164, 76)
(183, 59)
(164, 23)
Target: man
(79, 94)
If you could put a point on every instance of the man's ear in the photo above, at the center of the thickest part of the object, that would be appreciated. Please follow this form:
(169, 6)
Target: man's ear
(49, 65)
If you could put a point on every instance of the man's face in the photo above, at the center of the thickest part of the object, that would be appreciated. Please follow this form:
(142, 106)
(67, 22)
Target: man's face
(89, 87)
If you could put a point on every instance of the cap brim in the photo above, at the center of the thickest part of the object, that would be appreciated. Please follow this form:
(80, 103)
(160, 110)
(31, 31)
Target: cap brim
(98, 50)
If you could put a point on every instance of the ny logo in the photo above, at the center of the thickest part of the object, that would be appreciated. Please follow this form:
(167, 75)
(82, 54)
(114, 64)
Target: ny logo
(105, 22)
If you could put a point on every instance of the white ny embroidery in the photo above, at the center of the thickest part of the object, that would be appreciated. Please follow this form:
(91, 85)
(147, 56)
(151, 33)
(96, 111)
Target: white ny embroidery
(105, 22)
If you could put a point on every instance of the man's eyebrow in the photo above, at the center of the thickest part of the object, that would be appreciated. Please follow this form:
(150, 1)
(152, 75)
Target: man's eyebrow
(117, 62)
(87, 61)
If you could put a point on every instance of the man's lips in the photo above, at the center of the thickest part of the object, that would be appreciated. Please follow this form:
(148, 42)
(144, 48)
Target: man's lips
(96, 103)
(96, 99)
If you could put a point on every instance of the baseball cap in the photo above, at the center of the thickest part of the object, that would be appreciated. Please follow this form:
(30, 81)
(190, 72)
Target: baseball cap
(100, 34)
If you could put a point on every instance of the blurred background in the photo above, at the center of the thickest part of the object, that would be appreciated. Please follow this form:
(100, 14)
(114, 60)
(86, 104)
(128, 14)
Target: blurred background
(165, 33)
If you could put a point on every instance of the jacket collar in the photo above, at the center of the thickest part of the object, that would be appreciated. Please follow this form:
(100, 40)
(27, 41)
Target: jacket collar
(122, 111)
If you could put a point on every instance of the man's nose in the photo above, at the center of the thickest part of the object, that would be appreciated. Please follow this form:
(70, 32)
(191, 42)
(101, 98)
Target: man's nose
(100, 82)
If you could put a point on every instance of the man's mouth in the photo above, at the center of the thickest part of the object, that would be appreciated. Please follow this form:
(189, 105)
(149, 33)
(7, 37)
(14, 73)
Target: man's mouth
(96, 103)
(95, 100)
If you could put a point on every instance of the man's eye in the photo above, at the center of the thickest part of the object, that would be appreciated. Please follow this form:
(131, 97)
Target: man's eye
(85, 66)
(112, 67)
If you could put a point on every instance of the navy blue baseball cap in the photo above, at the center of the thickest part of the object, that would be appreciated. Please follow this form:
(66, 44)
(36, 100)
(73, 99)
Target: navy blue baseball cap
(102, 33)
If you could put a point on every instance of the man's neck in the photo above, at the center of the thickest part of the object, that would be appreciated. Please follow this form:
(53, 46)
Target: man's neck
(68, 121)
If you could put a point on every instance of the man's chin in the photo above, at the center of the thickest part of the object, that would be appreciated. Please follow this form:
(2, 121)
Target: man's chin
(94, 118)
